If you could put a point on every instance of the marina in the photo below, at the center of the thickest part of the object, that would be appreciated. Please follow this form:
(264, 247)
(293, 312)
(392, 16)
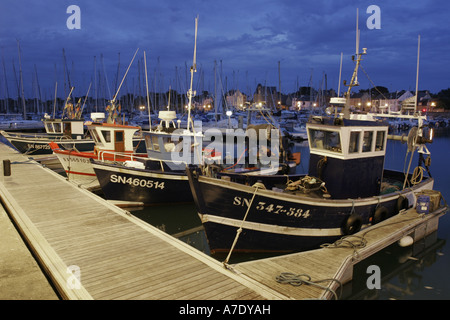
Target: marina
(98, 235)
(174, 191)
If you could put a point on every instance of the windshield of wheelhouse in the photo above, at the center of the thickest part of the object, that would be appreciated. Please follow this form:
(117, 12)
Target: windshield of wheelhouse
(95, 136)
(327, 140)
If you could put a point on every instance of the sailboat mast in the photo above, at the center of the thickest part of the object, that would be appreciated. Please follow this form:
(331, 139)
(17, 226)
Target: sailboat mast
(6, 85)
(21, 83)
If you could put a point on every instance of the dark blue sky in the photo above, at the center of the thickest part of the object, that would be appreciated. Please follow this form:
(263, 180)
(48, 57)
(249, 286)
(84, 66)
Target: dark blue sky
(248, 38)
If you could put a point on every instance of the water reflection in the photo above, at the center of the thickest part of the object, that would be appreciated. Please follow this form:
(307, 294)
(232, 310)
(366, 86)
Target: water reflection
(402, 273)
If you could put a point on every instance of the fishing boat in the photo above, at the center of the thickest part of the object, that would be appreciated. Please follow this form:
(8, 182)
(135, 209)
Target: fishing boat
(346, 189)
(157, 177)
(160, 177)
(67, 131)
(64, 132)
(113, 143)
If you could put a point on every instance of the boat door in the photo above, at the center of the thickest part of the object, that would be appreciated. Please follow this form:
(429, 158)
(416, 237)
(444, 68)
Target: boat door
(119, 141)
(67, 129)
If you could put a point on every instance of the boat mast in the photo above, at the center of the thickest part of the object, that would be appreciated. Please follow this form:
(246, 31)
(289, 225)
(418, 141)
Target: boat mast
(354, 80)
(21, 83)
(191, 93)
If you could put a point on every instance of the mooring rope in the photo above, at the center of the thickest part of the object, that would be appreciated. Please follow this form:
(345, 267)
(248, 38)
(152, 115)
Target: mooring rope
(300, 279)
(238, 232)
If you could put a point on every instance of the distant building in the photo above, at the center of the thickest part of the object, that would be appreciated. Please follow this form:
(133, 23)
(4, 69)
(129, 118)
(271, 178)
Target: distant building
(302, 103)
(236, 99)
(267, 95)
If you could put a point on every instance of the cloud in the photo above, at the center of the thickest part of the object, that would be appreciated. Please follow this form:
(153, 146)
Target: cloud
(248, 38)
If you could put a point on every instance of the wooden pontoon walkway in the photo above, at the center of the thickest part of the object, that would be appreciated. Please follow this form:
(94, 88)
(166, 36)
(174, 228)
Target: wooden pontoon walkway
(119, 256)
(73, 232)
(336, 261)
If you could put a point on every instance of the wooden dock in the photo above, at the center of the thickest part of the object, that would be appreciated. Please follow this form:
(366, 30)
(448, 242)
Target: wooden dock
(75, 234)
(336, 262)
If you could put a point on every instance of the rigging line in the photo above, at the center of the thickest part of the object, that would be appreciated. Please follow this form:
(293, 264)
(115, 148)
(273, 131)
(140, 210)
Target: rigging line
(373, 84)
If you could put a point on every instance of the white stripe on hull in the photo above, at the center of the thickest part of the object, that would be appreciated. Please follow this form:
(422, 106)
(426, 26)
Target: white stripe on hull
(307, 232)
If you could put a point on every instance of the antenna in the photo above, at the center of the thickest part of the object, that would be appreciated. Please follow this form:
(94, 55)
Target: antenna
(417, 75)
(340, 73)
(148, 98)
(357, 32)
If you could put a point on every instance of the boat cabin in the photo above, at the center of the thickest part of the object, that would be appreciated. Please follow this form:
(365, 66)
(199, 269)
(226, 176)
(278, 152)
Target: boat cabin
(112, 137)
(72, 128)
(173, 145)
(348, 155)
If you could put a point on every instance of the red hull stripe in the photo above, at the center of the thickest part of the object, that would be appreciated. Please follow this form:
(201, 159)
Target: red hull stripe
(81, 173)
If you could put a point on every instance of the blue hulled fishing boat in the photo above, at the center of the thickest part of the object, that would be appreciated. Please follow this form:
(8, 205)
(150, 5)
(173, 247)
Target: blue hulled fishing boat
(347, 188)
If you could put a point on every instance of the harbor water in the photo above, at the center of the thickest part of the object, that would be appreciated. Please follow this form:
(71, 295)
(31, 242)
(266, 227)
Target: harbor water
(415, 272)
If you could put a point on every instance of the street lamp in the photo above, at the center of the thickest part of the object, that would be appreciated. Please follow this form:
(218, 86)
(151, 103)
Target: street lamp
(229, 113)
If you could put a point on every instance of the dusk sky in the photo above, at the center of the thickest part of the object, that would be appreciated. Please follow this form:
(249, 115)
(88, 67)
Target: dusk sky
(246, 38)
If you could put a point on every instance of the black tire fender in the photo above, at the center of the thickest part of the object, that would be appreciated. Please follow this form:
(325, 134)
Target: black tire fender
(402, 203)
(379, 215)
(352, 224)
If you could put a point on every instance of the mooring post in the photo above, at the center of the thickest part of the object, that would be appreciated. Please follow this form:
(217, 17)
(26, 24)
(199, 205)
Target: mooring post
(7, 168)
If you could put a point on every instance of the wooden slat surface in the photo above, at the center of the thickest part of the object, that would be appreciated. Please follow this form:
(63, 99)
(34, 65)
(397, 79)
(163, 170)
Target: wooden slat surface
(334, 263)
(119, 256)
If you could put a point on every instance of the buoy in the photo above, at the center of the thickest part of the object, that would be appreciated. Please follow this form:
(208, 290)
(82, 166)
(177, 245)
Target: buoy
(405, 241)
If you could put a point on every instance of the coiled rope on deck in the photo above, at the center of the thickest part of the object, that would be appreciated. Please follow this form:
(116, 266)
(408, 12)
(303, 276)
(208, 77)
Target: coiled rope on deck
(300, 279)
(345, 242)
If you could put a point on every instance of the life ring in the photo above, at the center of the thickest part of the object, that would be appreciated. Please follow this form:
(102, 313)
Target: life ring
(352, 224)
(380, 214)
(402, 203)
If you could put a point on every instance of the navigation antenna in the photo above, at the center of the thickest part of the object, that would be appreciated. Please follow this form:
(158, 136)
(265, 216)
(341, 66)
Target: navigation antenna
(354, 80)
